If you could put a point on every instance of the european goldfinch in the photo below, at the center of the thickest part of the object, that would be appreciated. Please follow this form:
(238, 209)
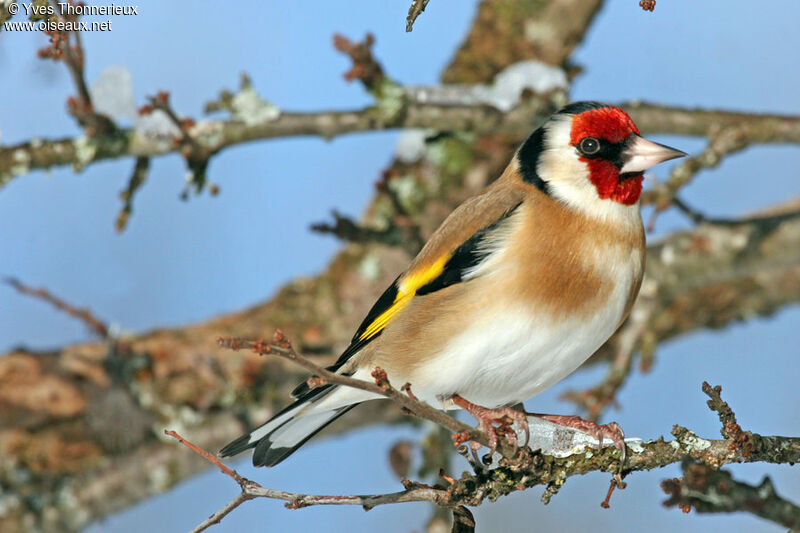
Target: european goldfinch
(512, 293)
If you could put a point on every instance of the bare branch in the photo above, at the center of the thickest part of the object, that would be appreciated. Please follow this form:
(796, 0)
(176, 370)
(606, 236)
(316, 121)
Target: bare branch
(197, 156)
(551, 32)
(757, 128)
(725, 142)
(699, 218)
(218, 515)
(365, 67)
(282, 348)
(66, 46)
(529, 468)
(709, 490)
(84, 315)
(295, 500)
(214, 136)
(347, 229)
(414, 11)
(137, 179)
(463, 521)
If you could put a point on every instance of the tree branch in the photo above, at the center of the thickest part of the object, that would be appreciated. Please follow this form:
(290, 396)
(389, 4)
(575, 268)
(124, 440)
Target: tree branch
(207, 393)
(706, 277)
(551, 32)
(137, 179)
(282, 348)
(296, 500)
(345, 228)
(414, 11)
(531, 468)
(66, 46)
(709, 490)
(95, 325)
(213, 136)
(725, 142)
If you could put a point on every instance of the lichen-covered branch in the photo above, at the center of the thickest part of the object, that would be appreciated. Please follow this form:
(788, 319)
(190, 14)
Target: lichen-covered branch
(215, 135)
(710, 490)
(703, 485)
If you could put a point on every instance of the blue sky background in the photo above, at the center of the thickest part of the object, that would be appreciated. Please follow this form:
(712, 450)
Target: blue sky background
(179, 262)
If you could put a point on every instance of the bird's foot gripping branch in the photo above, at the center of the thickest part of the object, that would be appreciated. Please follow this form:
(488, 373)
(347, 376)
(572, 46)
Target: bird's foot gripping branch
(522, 468)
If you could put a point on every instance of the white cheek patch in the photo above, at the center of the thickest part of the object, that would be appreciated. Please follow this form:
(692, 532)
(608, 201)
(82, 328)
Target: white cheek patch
(568, 177)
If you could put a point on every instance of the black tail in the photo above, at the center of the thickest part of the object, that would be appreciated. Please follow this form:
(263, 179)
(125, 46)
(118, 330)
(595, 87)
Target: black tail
(281, 435)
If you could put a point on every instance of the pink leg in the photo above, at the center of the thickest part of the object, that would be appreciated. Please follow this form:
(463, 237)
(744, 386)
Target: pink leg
(502, 418)
(598, 431)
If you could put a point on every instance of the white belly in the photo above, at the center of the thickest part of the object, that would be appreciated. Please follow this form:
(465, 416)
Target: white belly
(510, 355)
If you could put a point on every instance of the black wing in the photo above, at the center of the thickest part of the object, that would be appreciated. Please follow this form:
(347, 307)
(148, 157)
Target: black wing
(459, 266)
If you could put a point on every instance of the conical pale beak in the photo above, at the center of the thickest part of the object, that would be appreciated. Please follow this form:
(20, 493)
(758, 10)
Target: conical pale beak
(642, 154)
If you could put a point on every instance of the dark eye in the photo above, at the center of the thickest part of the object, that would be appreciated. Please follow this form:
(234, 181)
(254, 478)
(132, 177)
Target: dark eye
(589, 146)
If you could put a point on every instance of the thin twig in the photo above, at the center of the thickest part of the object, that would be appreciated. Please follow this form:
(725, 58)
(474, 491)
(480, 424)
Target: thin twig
(209, 456)
(528, 469)
(137, 179)
(699, 218)
(84, 315)
(218, 515)
(724, 142)
(197, 155)
(743, 442)
(365, 67)
(62, 48)
(349, 230)
(414, 11)
(295, 500)
(406, 235)
(282, 348)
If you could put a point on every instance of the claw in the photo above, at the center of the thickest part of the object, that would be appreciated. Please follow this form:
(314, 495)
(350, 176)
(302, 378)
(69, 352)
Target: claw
(496, 422)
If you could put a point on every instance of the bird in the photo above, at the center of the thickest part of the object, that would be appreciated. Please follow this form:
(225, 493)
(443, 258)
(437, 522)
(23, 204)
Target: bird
(512, 293)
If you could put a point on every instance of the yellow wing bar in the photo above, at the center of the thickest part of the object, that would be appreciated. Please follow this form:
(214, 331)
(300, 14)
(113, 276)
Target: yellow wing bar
(405, 292)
